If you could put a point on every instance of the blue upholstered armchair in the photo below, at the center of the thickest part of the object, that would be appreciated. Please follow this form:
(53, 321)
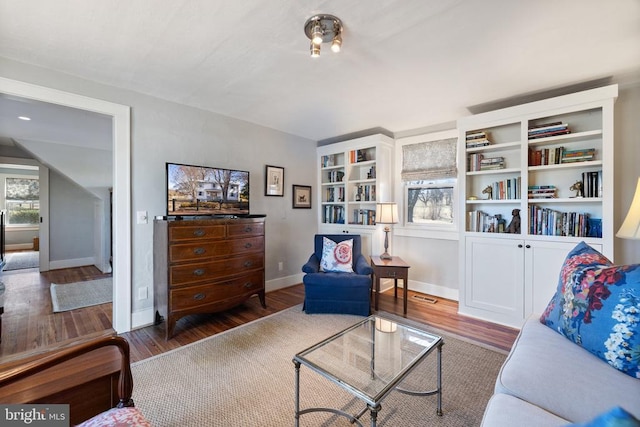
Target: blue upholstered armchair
(337, 292)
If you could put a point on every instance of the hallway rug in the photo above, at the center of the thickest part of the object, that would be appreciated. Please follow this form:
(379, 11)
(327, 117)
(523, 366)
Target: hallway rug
(71, 296)
(21, 260)
(245, 377)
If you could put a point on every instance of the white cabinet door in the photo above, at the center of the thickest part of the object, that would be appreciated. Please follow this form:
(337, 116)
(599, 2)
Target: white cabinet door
(543, 261)
(494, 275)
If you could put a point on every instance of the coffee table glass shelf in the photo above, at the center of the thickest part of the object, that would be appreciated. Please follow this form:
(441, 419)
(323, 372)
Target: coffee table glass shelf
(369, 360)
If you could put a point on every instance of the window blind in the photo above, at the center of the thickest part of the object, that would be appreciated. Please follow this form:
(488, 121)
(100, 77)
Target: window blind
(429, 160)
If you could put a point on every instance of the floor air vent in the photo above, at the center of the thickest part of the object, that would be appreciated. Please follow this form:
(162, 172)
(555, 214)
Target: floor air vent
(423, 298)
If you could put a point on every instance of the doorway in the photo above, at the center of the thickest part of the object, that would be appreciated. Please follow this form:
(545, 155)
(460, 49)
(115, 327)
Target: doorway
(121, 186)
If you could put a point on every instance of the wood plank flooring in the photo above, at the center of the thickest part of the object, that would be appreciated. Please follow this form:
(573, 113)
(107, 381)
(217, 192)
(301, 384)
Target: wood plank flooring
(29, 324)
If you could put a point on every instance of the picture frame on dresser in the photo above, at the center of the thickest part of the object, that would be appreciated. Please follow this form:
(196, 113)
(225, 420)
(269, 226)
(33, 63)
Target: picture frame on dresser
(274, 181)
(301, 196)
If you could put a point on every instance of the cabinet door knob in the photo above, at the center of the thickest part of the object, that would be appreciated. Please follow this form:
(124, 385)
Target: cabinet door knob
(199, 296)
(199, 232)
(198, 272)
(248, 285)
(248, 245)
(528, 246)
(199, 251)
(248, 229)
(248, 264)
(520, 245)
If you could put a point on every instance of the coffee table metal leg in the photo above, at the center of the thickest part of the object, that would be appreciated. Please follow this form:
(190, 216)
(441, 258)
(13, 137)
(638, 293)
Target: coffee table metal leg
(297, 387)
(374, 414)
(439, 359)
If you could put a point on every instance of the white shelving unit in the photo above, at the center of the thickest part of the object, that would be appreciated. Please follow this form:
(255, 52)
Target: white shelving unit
(353, 176)
(508, 276)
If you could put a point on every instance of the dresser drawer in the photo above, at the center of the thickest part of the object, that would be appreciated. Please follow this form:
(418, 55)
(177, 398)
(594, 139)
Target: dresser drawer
(197, 272)
(202, 250)
(191, 232)
(391, 272)
(194, 296)
(248, 229)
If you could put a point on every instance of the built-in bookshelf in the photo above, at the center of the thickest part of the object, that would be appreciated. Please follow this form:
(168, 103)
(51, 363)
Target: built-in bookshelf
(353, 176)
(535, 179)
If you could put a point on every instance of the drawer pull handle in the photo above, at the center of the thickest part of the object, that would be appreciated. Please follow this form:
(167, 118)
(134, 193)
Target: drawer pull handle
(199, 251)
(198, 272)
(248, 264)
(247, 245)
(199, 232)
(198, 297)
(392, 273)
(248, 229)
(248, 285)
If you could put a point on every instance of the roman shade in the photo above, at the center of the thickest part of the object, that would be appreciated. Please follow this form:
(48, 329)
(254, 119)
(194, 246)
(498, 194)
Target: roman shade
(429, 160)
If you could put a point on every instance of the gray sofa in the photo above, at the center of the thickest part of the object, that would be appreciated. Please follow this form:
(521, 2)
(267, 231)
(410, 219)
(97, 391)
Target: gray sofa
(548, 380)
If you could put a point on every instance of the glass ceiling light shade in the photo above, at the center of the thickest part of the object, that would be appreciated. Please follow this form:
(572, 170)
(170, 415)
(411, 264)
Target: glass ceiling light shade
(324, 29)
(631, 226)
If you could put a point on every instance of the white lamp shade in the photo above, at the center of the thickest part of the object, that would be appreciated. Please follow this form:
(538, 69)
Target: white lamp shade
(386, 213)
(631, 226)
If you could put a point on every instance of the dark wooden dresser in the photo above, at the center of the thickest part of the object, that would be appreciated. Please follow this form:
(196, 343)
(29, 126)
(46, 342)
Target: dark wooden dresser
(206, 265)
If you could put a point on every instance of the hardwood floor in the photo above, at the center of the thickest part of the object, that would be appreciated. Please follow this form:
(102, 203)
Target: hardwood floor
(29, 324)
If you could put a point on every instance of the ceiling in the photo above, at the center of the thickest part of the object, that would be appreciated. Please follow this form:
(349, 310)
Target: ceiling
(405, 64)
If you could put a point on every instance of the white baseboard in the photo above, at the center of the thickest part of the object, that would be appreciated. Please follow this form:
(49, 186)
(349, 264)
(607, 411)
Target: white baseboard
(283, 282)
(18, 246)
(424, 288)
(70, 263)
(143, 318)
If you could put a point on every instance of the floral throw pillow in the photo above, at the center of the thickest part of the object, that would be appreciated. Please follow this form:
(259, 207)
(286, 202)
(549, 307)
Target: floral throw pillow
(337, 257)
(597, 306)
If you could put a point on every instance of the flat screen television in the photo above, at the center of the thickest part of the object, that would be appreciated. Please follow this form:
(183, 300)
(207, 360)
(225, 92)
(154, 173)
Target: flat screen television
(206, 191)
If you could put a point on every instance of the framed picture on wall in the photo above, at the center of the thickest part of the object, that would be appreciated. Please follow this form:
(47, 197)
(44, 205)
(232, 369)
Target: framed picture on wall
(274, 181)
(301, 196)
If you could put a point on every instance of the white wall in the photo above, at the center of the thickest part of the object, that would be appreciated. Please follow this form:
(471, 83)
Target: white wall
(72, 224)
(163, 131)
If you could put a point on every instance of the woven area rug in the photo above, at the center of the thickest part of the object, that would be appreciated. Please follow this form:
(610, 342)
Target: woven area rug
(71, 296)
(245, 377)
(22, 260)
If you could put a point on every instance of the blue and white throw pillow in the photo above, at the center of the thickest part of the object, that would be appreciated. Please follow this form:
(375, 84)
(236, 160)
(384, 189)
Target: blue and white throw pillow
(597, 306)
(337, 257)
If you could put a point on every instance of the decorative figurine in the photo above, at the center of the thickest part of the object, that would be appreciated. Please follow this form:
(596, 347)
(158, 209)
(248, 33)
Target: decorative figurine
(514, 225)
(489, 192)
(577, 187)
(502, 224)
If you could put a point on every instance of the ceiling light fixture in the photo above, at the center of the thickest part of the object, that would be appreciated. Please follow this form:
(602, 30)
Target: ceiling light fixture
(323, 29)
(25, 118)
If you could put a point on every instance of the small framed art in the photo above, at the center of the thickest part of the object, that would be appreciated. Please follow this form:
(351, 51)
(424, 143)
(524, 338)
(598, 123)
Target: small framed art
(274, 181)
(301, 196)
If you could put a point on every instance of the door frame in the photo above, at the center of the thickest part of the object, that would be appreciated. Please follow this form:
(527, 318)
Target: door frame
(121, 134)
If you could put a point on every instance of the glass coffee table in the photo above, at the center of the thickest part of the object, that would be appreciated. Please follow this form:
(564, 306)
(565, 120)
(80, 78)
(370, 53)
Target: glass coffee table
(369, 360)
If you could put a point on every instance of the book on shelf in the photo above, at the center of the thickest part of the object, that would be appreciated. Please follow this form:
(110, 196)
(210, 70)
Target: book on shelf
(328, 160)
(569, 156)
(364, 217)
(592, 184)
(546, 130)
(477, 162)
(541, 192)
(549, 222)
(333, 214)
(507, 189)
(482, 222)
(545, 156)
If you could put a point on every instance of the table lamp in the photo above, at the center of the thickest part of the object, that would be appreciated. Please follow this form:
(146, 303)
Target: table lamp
(631, 226)
(386, 213)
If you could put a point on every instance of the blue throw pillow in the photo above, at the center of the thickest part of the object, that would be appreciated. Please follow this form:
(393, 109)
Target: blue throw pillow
(616, 417)
(597, 306)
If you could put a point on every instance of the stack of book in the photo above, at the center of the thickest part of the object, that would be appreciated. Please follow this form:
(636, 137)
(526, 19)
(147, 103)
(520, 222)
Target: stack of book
(477, 139)
(548, 222)
(335, 176)
(592, 184)
(507, 189)
(333, 214)
(364, 217)
(365, 193)
(477, 162)
(545, 156)
(542, 191)
(335, 194)
(481, 222)
(545, 130)
(583, 155)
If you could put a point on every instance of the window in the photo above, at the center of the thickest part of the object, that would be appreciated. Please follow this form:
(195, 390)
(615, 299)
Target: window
(22, 201)
(428, 184)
